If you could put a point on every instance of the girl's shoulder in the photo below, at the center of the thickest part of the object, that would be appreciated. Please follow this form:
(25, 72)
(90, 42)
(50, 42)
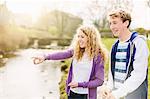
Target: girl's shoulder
(97, 57)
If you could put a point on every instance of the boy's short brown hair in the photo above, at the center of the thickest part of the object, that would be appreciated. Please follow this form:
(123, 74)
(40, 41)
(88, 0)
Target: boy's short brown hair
(124, 15)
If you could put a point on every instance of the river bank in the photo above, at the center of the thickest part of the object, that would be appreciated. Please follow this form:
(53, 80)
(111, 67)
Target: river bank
(21, 79)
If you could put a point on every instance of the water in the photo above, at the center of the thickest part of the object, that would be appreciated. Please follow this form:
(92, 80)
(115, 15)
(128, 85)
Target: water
(21, 79)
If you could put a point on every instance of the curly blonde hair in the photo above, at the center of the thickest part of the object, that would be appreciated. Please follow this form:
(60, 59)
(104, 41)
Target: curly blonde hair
(94, 43)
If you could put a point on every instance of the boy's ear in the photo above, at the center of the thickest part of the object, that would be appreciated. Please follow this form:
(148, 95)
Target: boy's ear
(126, 23)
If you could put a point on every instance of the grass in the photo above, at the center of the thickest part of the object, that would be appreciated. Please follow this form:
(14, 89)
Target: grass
(148, 42)
(62, 83)
(108, 42)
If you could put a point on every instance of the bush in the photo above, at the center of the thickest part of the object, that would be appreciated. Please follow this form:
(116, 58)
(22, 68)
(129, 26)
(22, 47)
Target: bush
(62, 85)
(12, 39)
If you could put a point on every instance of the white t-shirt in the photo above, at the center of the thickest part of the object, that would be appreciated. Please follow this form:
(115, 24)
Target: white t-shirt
(81, 73)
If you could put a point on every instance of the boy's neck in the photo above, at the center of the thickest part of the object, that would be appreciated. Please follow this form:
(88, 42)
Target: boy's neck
(125, 36)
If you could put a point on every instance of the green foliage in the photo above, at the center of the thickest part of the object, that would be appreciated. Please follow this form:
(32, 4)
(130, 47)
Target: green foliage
(64, 42)
(108, 42)
(11, 38)
(143, 31)
(105, 30)
(140, 30)
(148, 42)
(148, 31)
(53, 31)
(64, 68)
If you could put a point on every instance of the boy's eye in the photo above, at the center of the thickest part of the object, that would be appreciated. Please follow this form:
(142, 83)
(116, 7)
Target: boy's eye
(114, 22)
(109, 23)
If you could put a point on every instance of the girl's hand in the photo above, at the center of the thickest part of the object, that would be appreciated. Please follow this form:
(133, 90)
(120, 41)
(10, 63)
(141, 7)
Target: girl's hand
(38, 60)
(73, 84)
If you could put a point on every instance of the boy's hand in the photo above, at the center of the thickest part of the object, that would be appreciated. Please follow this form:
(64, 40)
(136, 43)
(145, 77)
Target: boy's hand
(105, 92)
(111, 96)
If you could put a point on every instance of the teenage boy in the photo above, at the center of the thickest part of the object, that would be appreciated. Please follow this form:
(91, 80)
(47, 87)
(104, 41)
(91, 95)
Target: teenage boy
(128, 63)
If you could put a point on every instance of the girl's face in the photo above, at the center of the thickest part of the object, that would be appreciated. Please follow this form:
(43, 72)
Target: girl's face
(82, 39)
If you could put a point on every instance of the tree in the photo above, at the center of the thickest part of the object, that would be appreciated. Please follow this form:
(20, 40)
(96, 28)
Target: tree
(95, 13)
(4, 14)
(123, 4)
(65, 23)
(148, 3)
(10, 36)
(59, 23)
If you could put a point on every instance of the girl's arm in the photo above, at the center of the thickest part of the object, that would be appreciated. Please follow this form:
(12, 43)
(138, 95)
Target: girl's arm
(59, 55)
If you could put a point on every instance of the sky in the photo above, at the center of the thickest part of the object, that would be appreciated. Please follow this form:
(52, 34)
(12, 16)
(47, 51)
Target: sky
(140, 13)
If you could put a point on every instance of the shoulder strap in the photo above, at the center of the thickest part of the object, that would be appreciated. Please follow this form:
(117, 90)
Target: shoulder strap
(131, 45)
(134, 34)
(131, 53)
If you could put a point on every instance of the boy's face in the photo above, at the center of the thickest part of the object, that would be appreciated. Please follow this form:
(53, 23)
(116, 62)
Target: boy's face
(117, 25)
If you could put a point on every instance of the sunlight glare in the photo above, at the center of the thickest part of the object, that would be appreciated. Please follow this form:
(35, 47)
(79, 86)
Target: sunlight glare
(31, 8)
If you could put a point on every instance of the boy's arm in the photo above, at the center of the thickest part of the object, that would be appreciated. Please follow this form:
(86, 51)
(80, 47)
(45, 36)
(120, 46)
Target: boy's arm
(139, 73)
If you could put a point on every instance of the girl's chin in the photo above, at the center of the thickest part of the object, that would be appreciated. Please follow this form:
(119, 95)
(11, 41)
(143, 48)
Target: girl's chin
(82, 47)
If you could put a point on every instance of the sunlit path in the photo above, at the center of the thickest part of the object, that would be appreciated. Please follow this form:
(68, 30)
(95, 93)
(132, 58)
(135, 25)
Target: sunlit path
(21, 79)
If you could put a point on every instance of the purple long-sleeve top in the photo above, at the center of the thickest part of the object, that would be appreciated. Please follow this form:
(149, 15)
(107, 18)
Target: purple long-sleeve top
(96, 76)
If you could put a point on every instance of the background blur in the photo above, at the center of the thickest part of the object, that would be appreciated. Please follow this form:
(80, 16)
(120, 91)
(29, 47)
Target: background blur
(35, 27)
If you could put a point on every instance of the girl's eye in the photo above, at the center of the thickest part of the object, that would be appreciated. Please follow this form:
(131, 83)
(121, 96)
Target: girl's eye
(79, 36)
(82, 36)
